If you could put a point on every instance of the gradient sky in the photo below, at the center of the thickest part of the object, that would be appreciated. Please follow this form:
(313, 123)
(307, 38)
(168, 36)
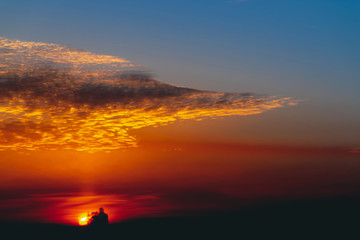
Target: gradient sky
(302, 49)
(305, 50)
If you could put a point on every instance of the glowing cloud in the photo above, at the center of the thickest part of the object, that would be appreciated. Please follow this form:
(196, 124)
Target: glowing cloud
(53, 96)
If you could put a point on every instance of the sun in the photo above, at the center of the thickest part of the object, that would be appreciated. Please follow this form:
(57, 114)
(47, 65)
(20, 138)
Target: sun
(83, 221)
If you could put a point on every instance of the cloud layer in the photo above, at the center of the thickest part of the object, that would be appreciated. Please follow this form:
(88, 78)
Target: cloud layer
(53, 96)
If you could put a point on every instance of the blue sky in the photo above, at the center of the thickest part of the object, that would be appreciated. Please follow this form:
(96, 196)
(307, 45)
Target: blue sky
(302, 49)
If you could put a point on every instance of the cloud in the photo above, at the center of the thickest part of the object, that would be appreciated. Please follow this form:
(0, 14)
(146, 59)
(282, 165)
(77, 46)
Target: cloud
(355, 150)
(53, 96)
(68, 208)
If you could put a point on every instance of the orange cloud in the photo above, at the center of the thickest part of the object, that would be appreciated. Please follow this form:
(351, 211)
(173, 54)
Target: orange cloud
(53, 96)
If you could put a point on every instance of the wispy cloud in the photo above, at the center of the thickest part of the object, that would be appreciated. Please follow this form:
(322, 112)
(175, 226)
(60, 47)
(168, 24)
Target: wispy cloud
(355, 150)
(68, 208)
(53, 96)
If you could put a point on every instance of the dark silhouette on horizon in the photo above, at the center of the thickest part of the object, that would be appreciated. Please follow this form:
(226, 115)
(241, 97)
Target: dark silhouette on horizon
(99, 219)
(330, 217)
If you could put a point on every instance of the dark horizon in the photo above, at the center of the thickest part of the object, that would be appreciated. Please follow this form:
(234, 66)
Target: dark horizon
(311, 219)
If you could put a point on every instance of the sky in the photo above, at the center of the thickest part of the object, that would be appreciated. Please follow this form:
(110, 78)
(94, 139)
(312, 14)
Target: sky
(154, 108)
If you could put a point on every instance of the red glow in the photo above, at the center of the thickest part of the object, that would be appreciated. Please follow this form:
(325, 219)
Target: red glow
(74, 209)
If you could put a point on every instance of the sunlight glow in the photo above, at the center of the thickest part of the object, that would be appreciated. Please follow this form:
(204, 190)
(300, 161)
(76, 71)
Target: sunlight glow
(83, 221)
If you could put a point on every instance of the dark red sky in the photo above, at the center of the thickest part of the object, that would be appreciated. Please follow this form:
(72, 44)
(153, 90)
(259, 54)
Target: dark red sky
(162, 179)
